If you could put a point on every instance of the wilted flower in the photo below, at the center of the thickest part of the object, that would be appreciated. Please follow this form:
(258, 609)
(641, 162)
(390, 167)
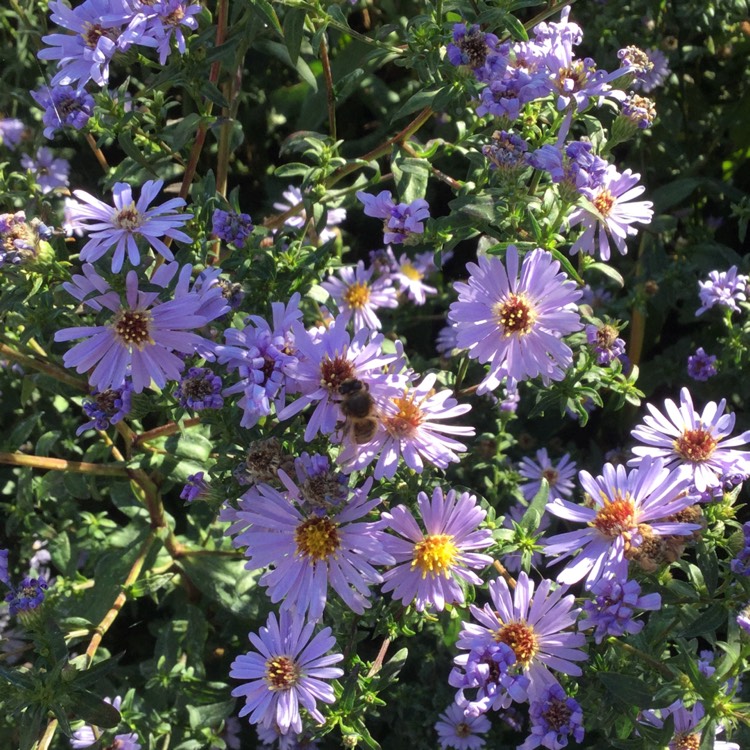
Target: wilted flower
(605, 342)
(400, 221)
(63, 106)
(105, 408)
(232, 227)
(701, 366)
(293, 197)
(199, 389)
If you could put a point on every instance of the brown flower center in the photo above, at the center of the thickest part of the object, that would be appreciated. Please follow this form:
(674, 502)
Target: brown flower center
(317, 538)
(695, 445)
(435, 555)
(557, 714)
(515, 315)
(616, 517)
(133, 328)
(281, 673)
(551, 475)
(92, 33)
(686, 742)
(604, 202)
(521, 638)
(333, 372)
(357, 295)
(128, 218)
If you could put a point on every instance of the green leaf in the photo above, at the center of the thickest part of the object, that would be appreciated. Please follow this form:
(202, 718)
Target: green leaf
(411, 177)
(22, 431)
(18, 679)
(280, 52)
(673, 193)
(707, 623)
(265, 9)
(515, 27)
(191, 445)
(535, 511)
(125, 140)
(31, 726)
(609, 272)
(629, 690)
(294, 26)
(416, 102)
(93, 710)
(393, 666)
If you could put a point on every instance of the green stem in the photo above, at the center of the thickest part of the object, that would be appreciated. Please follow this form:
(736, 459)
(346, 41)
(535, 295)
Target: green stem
(52, 370)
(60, 464)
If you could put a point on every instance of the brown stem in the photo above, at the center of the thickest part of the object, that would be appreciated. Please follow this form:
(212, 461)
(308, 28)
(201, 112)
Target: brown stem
(446, 178)
(49, 733)
(170, 428)
(500, 568)
(48, 369)
(60, 464)
(378, 663)
(97, 152)
(330, 96)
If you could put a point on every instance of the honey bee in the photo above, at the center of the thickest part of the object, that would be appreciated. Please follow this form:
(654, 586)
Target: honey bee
(360, 414)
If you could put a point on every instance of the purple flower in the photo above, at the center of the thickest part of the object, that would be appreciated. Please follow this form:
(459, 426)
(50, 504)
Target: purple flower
(560, 477)
(614, 212)
(163, 21)
(199, 389)
(287, 670)
(686, 721)
(27, 596)
(446, 341)
(11, 132)
(639, 110)
(743, 618)
(605, 342)
(196, 488)
(506, 152)
(516, 324)
(612, 609)
(470, 46)
(701, 366)
(400, 221)
(98, 33)
(620, 509)
(536, 626)
(118, 227)
(409, 274)
(357, 296)
(429, 565)
(411, 428)
(576, 167)
(21, 240)
(555, 717)
(740, 565)
(320, 487)
(722, 288)
(653, 74)
(86, 736)
(63, 105)
(697, 443)
(232, 227)
(293, 197)
(50, 172)
(307, 551)
(105, 408)
(141, 339)
(4, 575)
(459, 731)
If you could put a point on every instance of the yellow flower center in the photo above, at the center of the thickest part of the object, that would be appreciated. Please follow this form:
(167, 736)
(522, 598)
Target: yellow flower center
(357, 295)
(405, 422)
(695, 445)
(616, 518)
(686, 742)
(410, 272)
(515, 315)
(128, 218)
(521, 638)
(133, 328)
(281, 673)
(604, 202)
(317, 538)
(435, 555)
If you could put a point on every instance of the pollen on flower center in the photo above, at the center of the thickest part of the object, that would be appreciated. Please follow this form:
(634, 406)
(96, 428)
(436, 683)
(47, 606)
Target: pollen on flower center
(686, 742)
(128, 218)
(410, 272)
(317, 538)
(406, 421)
(281, 673)
(357, 295)
(521, 638)
(92, 33)
(197, 387)
(604, 202)
(557, 714)
(133, 327)
(577, 74)
(176, 16)
(551, 475)
(695, 445)
(617, 517)
(333, 372)
(435, 555)
(515, 315)
(462, 729)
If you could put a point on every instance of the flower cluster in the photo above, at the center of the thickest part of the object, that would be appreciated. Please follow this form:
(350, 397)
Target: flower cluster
(401, 221)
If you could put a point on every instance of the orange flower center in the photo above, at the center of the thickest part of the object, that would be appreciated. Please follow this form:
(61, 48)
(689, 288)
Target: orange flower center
(521, 638)
(695, 445)
(405, 422)
(604, 202)
(616, 518)
(357, 295)
(686, 742)
(435, 555)
(317, 538)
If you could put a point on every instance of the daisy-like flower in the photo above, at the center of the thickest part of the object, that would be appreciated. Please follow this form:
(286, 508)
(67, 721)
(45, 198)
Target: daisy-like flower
(654, 73)
(429, 565)
(613, 215)
(470, 46)
(293, 197)
(722, 289)
(308, 550)
(231, 226)
(410, 428)
(358, 296)
(27, 596)
(555, 717)
(106, 408)
(536, 626)
(605, 342)
(701, 366)
(459, 731)
(560, 477)
(63, 106)
(409, 274)
(199, 389)
(621, 509)
(287, 670)
(164, 21)
(50, 171)
(400, 221)
(11, 131)
(699, 444)
(119, 227)
(686, 720)
(141, 339)
(516, 323)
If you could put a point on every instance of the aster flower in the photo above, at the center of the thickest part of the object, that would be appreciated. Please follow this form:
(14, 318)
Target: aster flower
(654, 73)
(743, 618)
(605, 342)
(22, 241)
(459, 731)
(470, 46)
(701, 366)
(620, 508)
(27, 596)
(164, 21)
(613, 607)
(293, 197)
(4, 575)
(639, 111)
(409, 275)
(506, 152)
(358, 296)
(723, 289)
(308, 551)
(321, 487)
(411, 428)
(740, 565)
(63, 106)
(141, 339)
(196, 488)
(430, 565)
(686, 720)
(560, 477)
(536, 626)
(400, 221)
(614, 212)
(98, 33)
(105, 408)
(575, 167)
(11, 132)
(232, 227)
(287, 670)
(446, 342)
(118, 227)
(199, 389)
(516, 324)
(50, 172)
(699, 444)
(555, 717)
(325, 362)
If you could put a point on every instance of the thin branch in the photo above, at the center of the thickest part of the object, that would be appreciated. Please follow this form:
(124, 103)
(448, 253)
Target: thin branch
(58, 373)
(377, 665)
(171, 428)
(500, 568)
(330, 96)
(60, 464)
(97, 152)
